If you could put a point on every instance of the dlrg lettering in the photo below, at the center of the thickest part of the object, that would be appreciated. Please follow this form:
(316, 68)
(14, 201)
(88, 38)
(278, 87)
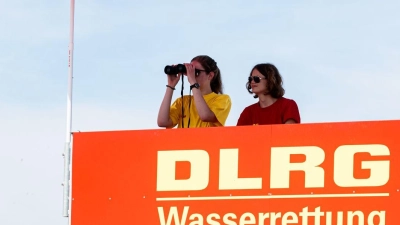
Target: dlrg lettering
(280, 168)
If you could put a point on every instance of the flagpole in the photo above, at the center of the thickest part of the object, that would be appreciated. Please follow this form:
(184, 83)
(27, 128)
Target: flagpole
(67, 147)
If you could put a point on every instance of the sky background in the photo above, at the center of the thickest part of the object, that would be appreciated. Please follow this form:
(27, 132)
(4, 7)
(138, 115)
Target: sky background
(339, 61)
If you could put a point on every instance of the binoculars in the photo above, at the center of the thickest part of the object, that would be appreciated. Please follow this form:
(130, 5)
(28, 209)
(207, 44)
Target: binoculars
(173, 70)
(180, 68)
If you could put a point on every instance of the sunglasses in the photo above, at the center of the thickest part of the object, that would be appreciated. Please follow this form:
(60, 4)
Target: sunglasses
(256, 79)
(197, 72)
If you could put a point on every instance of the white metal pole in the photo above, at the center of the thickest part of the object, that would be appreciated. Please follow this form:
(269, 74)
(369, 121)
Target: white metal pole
(67, 147)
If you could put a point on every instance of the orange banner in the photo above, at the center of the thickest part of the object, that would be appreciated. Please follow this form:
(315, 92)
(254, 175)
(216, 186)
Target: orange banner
(320, 174)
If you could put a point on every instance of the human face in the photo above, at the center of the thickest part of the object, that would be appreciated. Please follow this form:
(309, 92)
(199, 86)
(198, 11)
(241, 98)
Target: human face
(201, 77)
(261, 86)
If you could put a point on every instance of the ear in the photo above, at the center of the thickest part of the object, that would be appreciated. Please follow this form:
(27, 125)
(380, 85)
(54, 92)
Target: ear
(211, 75)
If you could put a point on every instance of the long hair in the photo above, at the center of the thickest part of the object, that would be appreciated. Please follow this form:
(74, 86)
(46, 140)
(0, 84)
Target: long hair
(210, 65)
(273, 77)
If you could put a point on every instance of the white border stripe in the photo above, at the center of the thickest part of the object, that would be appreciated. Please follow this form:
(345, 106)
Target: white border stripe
(273, 197)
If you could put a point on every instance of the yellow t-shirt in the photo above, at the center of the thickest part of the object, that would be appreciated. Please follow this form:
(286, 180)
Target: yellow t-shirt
(220, 104)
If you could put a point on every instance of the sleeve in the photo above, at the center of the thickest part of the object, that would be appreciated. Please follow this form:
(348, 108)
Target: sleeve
(291, 112)
(175, 111)
(244, 118)
(221, 108)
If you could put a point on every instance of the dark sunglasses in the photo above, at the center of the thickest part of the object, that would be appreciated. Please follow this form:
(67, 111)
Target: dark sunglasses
(197, 72)
(256, 79)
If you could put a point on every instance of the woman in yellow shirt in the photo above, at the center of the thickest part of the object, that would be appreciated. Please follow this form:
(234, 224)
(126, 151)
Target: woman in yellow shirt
(207, 107)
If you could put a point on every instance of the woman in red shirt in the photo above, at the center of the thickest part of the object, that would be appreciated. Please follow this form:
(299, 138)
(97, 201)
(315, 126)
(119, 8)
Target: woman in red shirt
(265, 83)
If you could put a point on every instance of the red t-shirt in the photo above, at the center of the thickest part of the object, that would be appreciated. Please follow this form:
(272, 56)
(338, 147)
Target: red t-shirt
(278, 113)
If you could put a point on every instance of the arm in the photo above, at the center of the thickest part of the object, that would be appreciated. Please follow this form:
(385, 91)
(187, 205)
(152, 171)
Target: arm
(205, 113)
(244, 118)
(163, 119)
(291, 114)
(203, 110)
(289, 121)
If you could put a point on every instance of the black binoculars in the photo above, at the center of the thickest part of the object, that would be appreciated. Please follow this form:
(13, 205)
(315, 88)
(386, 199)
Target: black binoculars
(173, 70)
(180, 68)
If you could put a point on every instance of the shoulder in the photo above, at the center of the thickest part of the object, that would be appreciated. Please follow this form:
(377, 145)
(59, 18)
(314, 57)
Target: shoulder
(218, 97)
(251, 107)
(224, 97)
(287, 101)
(288, 104)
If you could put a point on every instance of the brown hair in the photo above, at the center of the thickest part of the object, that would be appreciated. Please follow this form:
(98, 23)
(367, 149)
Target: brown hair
(273, 77)
(211, 66)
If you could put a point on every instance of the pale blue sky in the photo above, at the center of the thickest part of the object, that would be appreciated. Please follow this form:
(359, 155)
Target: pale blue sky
(339, 61)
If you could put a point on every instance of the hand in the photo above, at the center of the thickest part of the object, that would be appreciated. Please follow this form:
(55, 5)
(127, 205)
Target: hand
(173, 79)
(190, 73)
